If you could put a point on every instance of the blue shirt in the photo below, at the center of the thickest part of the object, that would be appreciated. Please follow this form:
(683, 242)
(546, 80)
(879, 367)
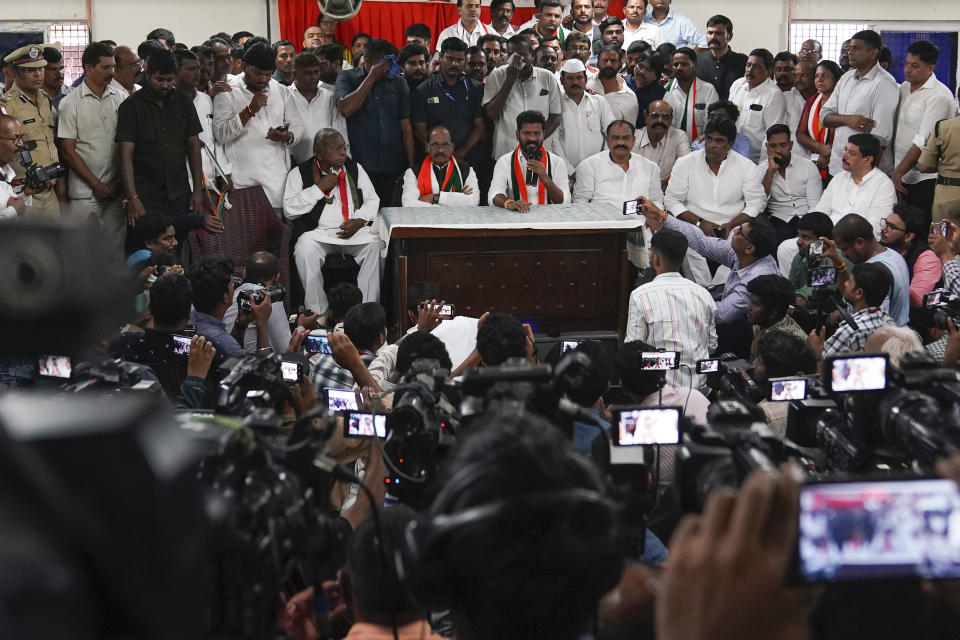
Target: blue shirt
(457, 107)
(376, 140)
(678, 29)
(899, 299)
(216, 332)
(741, 144)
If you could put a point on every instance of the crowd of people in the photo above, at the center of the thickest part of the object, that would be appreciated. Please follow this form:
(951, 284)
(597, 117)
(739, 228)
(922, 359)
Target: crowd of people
(789, 209)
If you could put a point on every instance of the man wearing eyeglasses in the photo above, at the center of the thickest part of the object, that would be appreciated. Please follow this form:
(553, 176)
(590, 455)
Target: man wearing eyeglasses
(442, 180)
(13, 200)
(129, 67)
(905, 231)
(660, 142)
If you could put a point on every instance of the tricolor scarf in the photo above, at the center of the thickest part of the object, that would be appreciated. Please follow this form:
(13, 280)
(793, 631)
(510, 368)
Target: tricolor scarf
(427, 180)
(690, 108)
(817, 131)
(344, 181)
(518, 178)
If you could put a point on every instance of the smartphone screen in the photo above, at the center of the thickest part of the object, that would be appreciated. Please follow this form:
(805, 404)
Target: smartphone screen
(631, 207)
(659, 360)
(316, 344)
(365, 425)
(446, 311)
(568, 345)
(857, 373)
(54, 366)
(879, 529)
(290, 371)
(341, 400)
(181, 345)
(708, 366)
(816, 248)
(823, 277)
(647, 426)
(787, 389)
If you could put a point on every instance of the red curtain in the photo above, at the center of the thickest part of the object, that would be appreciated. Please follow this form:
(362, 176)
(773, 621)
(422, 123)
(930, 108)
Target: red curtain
(389, 19)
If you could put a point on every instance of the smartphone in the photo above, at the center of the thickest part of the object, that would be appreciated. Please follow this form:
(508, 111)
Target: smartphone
(708, 366)
(787, 389)
(54, 366)
(447, 312)
(853, 373)
(568, 345)
(815, 248)
(940, 228)
(316, 344)
(822, 277)
(181, 345)
(933, 298)
(659, 360)
(358, 424)
(646, 425)
(292, 371)
(875, 530)
(631, 207)
(341, 399)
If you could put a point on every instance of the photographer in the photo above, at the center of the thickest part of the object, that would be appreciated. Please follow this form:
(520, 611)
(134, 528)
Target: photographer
(945, 247)
(262, 271)
(13, 201)
(500, 337)
(770, 299)
(780, 355)
(864, 289)
(594, 381)
(341, 298)
(810, 228)
(905, 231)
(365, 326)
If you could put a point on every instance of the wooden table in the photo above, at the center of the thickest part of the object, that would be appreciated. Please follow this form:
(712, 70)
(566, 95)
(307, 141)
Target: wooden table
(559, 267)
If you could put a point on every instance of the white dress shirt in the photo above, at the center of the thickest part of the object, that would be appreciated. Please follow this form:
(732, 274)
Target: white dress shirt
(298, 201)
(798, 192)
(674, 314)
(874, 96)
(509, 33)
(702, 95)
(582, 128)
(795, 103)
(307, 118)
(674, 144)
(7, 174)
(623, 101)
(873, 198)
(411, 191)
(540, 92)
(649, 33)
(502, 182)
(760, 108)
(601, 180)
(917, 115)
(719, 197)
(457, 30)
(256, 160)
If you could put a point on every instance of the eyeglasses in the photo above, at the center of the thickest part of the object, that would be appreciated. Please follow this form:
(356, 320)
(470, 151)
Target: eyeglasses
(578, 47)
(132, 65)
(809, 50)
(15, 139)
(885, 223)
(440, 145)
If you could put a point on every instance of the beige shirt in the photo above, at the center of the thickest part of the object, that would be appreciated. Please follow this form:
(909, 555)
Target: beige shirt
(674, 144)
(623, 101)
(92, 122)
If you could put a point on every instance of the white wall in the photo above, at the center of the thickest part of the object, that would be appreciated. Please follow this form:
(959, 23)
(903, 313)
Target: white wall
(875, 10)
(756, 23)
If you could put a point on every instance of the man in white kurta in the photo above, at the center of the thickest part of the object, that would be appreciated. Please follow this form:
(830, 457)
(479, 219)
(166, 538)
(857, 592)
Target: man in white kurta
(349, 203)
(441, 180)
(759, 99)
(529, 175)
(584, 117)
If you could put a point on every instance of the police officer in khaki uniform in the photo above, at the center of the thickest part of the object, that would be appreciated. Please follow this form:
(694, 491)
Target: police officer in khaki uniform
(30, 105)
(942, 154)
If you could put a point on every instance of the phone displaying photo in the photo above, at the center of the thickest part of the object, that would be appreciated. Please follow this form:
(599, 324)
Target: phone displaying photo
(290, 371)
(568, 345)
(708, 366)
(940, 228)
(933, 298)
(341, 399)
(875, 530)
(659, 360)
(787, 389)
(358, 424)
(638, 426)
(815, 248)
(54, 366)
(316, 344)
(446, 311)
(181, 345)
(852, 373)
(823, 277)
(631, 207)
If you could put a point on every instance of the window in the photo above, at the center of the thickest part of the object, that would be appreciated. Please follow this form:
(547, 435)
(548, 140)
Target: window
(73, 38)
(829, 34)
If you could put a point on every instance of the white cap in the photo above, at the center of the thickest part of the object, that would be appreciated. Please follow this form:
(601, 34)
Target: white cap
(573, 66)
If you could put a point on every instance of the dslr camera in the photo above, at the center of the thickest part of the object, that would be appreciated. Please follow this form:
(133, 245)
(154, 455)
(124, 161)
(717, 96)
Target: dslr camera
(246, 299)
(942, 305)
(36, 176)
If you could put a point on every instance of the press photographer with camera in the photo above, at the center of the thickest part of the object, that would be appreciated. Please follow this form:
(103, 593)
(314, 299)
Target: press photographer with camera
(904, 231)
(770, 299)
(13, 200)
(864, 289)
(780, 354)
(365, 329)
(945, 245)
(810, 228)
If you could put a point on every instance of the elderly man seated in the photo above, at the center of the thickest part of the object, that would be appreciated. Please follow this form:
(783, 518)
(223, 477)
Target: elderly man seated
(332, 201)
(441, 179)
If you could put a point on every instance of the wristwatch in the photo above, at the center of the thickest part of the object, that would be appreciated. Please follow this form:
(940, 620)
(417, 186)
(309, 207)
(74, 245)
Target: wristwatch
(436, 198)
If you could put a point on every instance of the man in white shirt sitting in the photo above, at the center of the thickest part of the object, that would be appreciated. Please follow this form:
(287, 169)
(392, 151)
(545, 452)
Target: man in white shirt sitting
(583, 117)
(331, 200)
(759, 99)
(468, 28)
(249, 121)
(441, 179)
(529, 174)
(861, 187)
(634, 28)
(792, 183)
(617, 175)
(659, 142)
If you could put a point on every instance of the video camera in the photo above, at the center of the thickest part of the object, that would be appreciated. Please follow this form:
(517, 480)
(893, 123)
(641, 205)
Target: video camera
(730, 378)
(252, 382)
(941, 306)
(36, 176)
(246, 299)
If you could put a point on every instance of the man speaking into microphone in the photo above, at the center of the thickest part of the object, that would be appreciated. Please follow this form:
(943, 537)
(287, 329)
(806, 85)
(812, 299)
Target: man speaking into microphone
(529, 174)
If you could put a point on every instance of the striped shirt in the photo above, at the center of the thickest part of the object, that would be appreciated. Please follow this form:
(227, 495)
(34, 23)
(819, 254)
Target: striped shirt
(846, 339)
(674, 314)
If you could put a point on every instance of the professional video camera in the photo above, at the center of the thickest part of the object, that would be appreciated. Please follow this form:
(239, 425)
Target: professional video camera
(252, 382)
(731, 379)
(112, 374)
(36, 176)
(246, 299)
(941, 305)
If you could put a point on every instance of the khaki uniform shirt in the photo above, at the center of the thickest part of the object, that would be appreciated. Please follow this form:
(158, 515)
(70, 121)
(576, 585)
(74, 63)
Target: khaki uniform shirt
(946, 199)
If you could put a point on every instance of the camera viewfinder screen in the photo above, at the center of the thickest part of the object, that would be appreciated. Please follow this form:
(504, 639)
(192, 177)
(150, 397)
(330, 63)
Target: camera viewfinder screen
(648, 426)
(289, 371)
(366, 425)
(862, 530)
(932, 298)
(568, 345)
(823, 277)
(54, 366)
(708, 366)
(786, 389)
(181, 345)
(658, 360)
(341, 400)
(317, 344)
(858, 374)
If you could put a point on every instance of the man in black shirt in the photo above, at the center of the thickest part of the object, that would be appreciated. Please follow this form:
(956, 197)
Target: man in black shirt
(157, 128)
(723, 65)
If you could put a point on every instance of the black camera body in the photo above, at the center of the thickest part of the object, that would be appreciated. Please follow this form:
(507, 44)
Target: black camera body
(246, 299)
(941, 307)
(250, 383)
(36, 176)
